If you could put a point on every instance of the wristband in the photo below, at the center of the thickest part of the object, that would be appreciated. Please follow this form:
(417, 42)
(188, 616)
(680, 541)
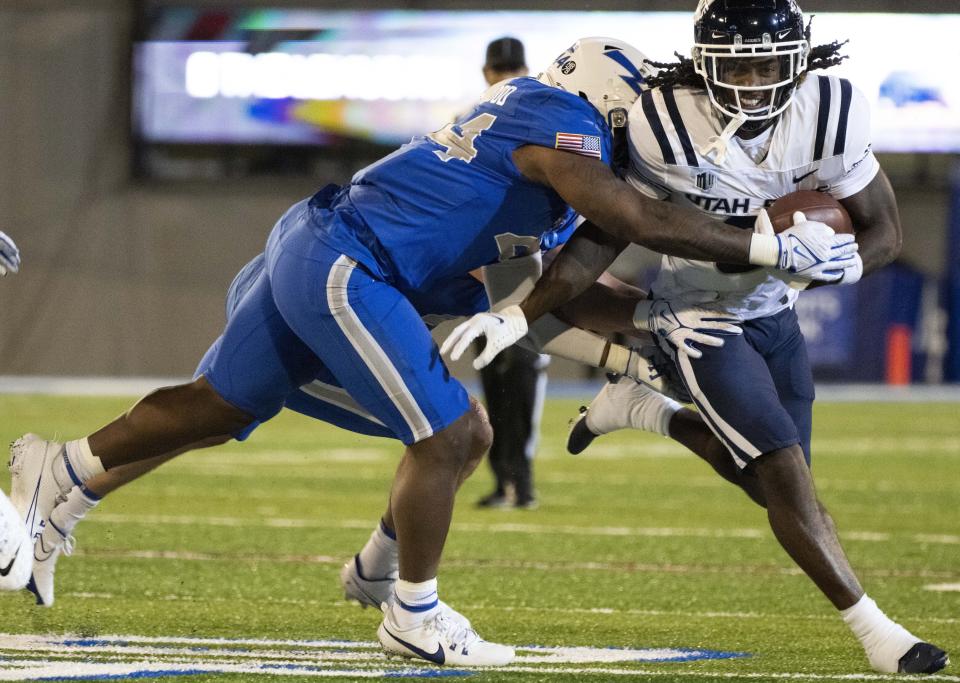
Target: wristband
(641, 314)
(764, 250)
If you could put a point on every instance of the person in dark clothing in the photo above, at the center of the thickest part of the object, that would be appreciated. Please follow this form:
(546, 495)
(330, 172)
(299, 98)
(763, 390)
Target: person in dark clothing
(515, 382)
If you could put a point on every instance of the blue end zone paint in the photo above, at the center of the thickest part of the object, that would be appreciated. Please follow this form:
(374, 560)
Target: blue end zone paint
(699, 655)
(126, 677)
(136, 675)
(402, 673)
(427, 673)
(134, 670)
(94, 642)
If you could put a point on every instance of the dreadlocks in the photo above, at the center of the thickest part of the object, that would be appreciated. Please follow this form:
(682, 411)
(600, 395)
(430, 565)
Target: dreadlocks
(682, 73)
(675, 73)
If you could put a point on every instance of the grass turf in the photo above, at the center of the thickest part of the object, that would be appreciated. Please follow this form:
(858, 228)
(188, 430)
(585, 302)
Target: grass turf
(637, 544)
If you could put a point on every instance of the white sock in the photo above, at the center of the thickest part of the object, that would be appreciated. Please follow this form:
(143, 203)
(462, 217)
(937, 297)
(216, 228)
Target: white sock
(68, 514)
(629, 404)
(378, 558)
(415, 603)
(77, 464)
(884, 640)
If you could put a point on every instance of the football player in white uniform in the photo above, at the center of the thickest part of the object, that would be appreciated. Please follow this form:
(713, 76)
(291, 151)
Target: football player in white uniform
(15, 560)
(9, 255)
(728, 131)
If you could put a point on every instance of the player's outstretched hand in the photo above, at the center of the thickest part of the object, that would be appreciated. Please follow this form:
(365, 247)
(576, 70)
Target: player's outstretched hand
(9, 256)
(683, 326)
(502, 329)
(811, 250)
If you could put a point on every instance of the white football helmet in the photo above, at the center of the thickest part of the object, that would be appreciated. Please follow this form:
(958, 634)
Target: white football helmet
(16, 548)
(609, 73)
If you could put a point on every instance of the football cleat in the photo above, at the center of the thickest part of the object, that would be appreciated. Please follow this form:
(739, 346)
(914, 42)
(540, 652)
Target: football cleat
(528, 502)
(379, 592)
(923, 658)
(622, 403)
(368, 592)
(49, 545)
(580, 435)
(16, 560)
(494, 501)
(441, 640)
(34, 490)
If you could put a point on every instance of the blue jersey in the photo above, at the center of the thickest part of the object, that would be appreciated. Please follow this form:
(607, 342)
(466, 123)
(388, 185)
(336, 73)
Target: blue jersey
(452, 201)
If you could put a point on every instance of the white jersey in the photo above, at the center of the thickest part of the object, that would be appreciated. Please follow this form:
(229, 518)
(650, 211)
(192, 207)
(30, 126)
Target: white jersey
(821, 142)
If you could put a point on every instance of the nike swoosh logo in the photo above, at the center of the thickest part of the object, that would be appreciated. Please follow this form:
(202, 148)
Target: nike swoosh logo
(9, 567)
(43, 549)
(797, 180)
(781, 34)
(499, 319)
(437, 657)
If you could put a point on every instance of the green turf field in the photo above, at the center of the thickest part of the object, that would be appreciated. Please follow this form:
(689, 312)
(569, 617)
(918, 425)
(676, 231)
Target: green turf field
(636, 545)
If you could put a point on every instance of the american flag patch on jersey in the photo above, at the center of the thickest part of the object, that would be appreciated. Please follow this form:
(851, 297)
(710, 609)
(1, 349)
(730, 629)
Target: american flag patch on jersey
(587, 145)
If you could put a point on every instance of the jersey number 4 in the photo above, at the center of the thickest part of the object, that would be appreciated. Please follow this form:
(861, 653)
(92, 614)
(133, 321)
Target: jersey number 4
(460, 145)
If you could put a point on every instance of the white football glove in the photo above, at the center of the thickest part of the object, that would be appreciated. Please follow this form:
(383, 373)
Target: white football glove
(683, 325)
(502, 329)
(852, 270)
(9, 256)
(808, 250)
(842, 269)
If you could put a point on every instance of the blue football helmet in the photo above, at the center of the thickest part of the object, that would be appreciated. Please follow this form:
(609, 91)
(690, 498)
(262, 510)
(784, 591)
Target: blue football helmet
(752, 55)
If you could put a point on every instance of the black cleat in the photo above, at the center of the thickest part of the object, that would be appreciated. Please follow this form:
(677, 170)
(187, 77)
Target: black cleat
(923, 658)
(494, 501)
(580, 435)
(528, 502)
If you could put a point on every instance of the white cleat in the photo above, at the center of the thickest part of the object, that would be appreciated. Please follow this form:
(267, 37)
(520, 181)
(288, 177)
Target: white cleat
(441, 640)
(47, 548)
(379, 592)
(622, 403)
(34, 490)
(15, 563)
(368, 592)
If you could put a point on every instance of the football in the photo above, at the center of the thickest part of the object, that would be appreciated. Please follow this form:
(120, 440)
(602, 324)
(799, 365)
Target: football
(816, 206)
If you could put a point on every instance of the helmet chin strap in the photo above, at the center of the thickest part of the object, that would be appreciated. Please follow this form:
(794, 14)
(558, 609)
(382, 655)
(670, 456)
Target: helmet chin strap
(716, 147)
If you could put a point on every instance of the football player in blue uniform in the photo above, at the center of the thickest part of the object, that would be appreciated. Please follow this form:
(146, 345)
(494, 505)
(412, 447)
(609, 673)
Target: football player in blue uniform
(726, 132)
(335, 300)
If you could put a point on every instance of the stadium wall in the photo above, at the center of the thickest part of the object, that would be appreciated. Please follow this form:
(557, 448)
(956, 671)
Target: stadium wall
(124, 277)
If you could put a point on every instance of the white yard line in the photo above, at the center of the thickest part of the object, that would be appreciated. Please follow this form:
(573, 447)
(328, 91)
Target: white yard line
(706, 614)
(506, 527)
